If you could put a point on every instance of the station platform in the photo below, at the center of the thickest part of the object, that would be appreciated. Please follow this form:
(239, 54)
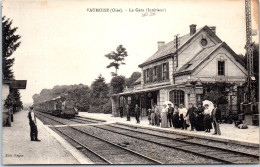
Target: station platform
(17, 147)
(229, 133)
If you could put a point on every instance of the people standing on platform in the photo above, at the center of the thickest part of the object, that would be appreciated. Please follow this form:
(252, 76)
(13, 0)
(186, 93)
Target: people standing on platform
(12, 114)
(157, 115)
(149, 116)
(199, 118)
(216, 118)
(170, 114)
(182, 117)
(164, 119)
(192, 116)
(127, 112)
(137, 114)
(153, 115)
(207, 119)
(120, 111)
(33, 125)
(176, 122)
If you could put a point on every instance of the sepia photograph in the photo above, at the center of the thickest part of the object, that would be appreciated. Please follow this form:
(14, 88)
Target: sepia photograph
(120, 82)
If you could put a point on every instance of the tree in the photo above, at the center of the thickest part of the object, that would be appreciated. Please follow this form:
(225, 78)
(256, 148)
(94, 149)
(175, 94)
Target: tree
(100, 101)
(118, 58)
(132, 79)
(216, 92)
(9, 44)
(117, 84)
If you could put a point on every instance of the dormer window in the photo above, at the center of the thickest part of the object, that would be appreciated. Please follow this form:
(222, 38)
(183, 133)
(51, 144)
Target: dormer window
(221, 67)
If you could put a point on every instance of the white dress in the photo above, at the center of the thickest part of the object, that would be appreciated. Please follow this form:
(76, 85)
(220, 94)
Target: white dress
(164, 123)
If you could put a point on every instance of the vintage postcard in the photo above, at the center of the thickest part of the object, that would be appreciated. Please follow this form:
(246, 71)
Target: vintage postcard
(130, 82)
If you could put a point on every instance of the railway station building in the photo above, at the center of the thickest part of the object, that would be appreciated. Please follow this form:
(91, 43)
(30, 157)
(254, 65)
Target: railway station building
(177, 71)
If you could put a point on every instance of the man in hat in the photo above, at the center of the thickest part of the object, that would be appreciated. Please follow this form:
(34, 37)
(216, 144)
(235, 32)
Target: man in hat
(200, 117)
(216, 117)
(170, 114)
(137, 113)
(191, 115)
(33, 125)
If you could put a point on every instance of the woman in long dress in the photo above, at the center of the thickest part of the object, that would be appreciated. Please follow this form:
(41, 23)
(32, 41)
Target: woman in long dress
(153, 115)
(207, 119)
(176, 117)
(164, 123)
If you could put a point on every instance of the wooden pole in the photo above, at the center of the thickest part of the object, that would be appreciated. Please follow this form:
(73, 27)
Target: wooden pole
(140, 97)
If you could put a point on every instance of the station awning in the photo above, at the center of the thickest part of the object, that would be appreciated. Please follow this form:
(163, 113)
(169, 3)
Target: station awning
(17, 84)
(135, 91)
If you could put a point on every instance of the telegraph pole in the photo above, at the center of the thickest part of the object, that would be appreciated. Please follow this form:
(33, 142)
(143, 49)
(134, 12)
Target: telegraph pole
(249, 53)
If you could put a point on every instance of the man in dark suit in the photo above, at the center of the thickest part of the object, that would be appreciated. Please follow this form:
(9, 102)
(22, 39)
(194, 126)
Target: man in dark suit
(191, 114)
(170, 114)
(33, 125)
(137, 113)
(216, 117)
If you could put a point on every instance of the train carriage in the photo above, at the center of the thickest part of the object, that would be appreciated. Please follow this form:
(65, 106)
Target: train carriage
(58, 106)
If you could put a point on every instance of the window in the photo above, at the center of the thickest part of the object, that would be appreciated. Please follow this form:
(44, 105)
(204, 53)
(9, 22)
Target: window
(203, 42)
(177, 97)
(221, 67)
(155, 73)
(164, 71)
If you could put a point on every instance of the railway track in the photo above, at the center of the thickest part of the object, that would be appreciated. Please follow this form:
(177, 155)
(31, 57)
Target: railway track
(92, 119)
(106, 152)
(182, 143)
(66, 121)
(82, 119)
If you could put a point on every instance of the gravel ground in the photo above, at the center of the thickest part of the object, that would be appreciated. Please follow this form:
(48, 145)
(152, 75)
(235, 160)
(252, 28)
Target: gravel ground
(189, 147)
(110, 152)
(230, 146)
(88, 154)
(161, 153)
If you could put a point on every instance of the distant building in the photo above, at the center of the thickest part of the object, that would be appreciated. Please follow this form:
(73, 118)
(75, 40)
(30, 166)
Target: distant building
(167, 75)
(7, 86)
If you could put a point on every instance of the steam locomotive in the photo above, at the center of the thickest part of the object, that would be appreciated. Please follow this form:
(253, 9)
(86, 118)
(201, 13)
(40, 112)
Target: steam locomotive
(59, 106)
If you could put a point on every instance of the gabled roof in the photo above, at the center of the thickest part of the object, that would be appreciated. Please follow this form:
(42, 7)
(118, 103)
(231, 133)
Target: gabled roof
(198, 58)
(202, 56)
(138, 81)
(169, 48)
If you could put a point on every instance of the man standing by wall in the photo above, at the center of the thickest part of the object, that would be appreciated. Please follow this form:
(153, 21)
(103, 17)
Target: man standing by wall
(216, 117)
(33, 125)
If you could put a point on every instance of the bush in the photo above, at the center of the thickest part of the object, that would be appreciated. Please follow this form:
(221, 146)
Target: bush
(107, 108)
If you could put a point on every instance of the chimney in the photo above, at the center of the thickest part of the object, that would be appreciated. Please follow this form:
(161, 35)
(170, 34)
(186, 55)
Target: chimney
(160, 44)
(213, 29)
(192, 29)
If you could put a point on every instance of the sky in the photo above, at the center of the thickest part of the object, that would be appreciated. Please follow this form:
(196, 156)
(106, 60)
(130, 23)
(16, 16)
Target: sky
(63, 43)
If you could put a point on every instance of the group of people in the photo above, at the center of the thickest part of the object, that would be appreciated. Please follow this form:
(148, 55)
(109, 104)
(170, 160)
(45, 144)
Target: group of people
(200, 118)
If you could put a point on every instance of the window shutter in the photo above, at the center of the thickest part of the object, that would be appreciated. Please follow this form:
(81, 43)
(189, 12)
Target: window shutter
(159, 72)
(150, 74)
(155, 73)
(144, 75)
(167, 70)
